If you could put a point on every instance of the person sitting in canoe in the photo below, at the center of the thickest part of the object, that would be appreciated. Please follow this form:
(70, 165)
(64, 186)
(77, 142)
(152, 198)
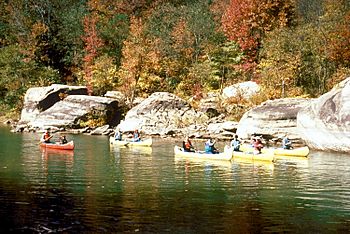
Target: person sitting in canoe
(286, 143)
(210, 147)
(118, 135)
(187, 145)
(258, 145)
(235, 143)
(63, 140)
(136, 136)
(252, 141)
(45, 138)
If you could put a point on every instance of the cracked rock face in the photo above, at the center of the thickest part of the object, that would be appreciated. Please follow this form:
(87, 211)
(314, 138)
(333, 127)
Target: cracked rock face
(68, 112)
(272, 119)
(161, 113)
(325, 124)
(39, 99)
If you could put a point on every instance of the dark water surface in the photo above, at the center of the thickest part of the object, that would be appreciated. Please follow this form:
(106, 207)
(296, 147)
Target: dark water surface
(98, 189)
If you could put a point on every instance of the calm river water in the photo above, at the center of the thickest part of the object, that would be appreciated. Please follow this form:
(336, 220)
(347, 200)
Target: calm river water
(98, 189)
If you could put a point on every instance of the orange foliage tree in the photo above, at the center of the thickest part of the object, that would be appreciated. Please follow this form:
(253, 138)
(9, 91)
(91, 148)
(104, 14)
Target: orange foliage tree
(132, 60)
(340, 42)
(92, 44)
(246, 21)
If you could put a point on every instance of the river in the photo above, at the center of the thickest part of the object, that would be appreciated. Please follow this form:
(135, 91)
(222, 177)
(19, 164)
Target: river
(103, 189)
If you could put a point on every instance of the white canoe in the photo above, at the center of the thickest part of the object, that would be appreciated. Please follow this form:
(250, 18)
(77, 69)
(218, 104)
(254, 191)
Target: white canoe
(144, 143)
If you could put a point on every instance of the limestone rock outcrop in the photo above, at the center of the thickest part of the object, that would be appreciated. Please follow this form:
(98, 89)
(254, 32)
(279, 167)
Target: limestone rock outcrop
(39, 99)
(272, 119)
(74, 108)
(162, 113)
(325, 123)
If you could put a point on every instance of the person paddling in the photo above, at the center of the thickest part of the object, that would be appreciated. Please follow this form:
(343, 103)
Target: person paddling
(236, 143)
(118, 135)
(286, 143)
(187, 145)
(45, 138)
(210, 147)
(258, 145)
(136, 136)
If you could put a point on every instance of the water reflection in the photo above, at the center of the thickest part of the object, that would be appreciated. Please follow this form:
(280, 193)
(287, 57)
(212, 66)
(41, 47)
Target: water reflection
(97, 188)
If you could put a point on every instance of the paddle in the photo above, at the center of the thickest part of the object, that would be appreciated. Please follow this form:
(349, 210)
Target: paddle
(46, 139)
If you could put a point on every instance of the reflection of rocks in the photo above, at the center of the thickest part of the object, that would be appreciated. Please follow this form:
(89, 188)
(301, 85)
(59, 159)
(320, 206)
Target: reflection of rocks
(40, 99)
(162, 114)
(325, 124)
(272, 119)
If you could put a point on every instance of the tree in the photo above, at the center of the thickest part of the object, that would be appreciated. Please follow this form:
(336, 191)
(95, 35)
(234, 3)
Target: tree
(132, 60)
(246, 22)
(92, 44)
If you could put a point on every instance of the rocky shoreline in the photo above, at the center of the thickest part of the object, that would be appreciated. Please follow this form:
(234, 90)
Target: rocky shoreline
(322, 123)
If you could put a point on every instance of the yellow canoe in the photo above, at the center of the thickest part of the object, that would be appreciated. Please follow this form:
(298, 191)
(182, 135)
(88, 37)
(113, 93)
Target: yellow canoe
(296, 152)
(226, 155)
(268, 155)
(143, 143)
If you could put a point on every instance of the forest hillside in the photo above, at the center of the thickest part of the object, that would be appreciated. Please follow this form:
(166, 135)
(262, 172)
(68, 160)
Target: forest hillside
(186, 47)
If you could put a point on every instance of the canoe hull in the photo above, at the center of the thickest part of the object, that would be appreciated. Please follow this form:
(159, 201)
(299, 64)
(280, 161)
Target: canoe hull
(68, 146)
(296, 152)
(179, 152)
(268, 156)
(144, 143)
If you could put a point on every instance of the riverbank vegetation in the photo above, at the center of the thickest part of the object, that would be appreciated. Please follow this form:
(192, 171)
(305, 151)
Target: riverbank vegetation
(187, 47)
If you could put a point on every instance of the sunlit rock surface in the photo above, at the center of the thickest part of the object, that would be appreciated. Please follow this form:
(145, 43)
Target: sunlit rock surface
(162, 113)
(325, 124)
(273, 119)
(39, 99)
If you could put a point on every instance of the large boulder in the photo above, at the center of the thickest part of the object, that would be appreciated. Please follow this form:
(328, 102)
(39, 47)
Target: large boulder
(273, 119)
(244, 89)
(40, 99)
(74, 108)
(161, 114)
(210, 104)
(325, 124)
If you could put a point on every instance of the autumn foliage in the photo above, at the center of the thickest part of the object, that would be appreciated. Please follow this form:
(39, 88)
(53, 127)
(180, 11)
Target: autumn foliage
(290, 47)
(247, 21)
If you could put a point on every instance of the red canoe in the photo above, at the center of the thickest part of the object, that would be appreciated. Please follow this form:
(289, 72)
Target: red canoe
(68, 146)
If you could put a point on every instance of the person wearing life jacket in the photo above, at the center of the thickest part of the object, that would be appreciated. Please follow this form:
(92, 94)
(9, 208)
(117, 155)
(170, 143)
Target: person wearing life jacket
(187, 145)
(136, 136)
(45, 138)
(236, 143)
(258, 145)
(63, 139)
(118, 135)
(210, 147)
(286, 143)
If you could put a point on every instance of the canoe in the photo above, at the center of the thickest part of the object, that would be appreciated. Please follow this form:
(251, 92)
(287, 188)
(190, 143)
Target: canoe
(226, 155)
(48, 151)
(68, 146)
(268, 155)
(296, 152)
(144, 143)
